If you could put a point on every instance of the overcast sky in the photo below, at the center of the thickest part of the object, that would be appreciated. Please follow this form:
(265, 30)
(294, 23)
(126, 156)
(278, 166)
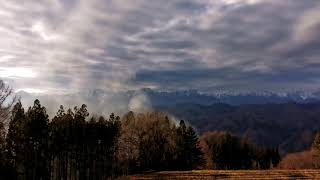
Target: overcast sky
(50, 46)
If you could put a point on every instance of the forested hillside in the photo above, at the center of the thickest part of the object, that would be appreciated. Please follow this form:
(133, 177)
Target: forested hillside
(289, 126)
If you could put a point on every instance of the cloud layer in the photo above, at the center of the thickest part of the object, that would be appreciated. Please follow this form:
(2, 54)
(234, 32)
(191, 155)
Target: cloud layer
(57, 46)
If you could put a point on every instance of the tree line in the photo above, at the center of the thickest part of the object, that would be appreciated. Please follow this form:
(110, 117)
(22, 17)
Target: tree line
(73, 145)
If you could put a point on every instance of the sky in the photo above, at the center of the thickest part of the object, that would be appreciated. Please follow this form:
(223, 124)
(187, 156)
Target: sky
(65, 46)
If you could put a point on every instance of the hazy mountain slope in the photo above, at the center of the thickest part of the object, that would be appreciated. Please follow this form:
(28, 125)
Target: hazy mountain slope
(290, 126)
(171, 98)
(163, 98)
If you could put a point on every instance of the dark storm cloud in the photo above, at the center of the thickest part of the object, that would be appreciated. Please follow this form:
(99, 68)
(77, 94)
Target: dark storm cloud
(178, 44)
(232, 78)
(259, 43)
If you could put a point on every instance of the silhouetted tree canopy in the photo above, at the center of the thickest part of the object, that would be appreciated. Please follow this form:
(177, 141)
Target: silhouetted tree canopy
(75, 146)
(225, 151)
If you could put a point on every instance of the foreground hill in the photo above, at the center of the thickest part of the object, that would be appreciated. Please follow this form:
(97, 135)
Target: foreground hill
(289, 126)
(243, 174)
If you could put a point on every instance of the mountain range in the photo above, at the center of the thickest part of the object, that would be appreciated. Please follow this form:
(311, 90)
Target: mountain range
(164, 98)
(192, 96)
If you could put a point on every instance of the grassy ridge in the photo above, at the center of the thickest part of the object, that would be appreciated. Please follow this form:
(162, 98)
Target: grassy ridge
(241, 174)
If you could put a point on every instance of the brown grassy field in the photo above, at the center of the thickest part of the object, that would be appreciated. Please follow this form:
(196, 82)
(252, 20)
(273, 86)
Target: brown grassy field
(241, 174)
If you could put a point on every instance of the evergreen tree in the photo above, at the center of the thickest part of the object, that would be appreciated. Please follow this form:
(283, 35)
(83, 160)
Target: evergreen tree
(16, 139)
(189, 154)
(37, 142)
(181, 144)
(6, 169)
(57, 144)
(246, 153)
(275, 157)
(195, 155)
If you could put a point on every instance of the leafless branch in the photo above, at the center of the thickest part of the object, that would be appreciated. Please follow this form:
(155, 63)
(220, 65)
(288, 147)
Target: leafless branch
(7, 100)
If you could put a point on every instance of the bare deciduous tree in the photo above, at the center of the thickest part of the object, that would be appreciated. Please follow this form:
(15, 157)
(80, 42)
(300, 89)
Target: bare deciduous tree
(7, 99)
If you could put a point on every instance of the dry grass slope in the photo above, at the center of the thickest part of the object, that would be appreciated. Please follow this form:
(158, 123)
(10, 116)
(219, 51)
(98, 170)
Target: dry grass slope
(242, 174)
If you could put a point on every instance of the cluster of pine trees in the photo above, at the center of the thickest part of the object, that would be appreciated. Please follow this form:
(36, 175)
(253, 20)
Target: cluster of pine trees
(225, 151)
(68, 147)
(73, 145)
